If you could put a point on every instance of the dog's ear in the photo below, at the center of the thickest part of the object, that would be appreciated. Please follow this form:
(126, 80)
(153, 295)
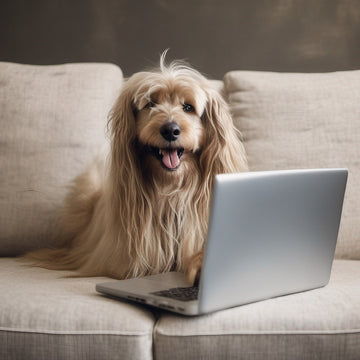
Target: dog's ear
(122, 129)
(223, 151)
(125, 172)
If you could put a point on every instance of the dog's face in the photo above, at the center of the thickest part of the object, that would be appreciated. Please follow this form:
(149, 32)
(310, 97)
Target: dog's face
(169, 125)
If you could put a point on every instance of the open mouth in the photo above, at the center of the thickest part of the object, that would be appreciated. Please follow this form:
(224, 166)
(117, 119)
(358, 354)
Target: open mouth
(169, 157)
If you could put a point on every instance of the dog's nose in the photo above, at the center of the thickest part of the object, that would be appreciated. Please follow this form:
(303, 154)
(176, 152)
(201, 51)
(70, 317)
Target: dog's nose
(170, 131)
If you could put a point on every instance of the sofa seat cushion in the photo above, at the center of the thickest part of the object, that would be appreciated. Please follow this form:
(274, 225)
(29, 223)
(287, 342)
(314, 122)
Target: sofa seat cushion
(303, 121)
(53, 121)
(317, 324)
(44, 315)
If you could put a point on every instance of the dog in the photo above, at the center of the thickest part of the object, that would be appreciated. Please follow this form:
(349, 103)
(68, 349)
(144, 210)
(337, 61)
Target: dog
(143, 207)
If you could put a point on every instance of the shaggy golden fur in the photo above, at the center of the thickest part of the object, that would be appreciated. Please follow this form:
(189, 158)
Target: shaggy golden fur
(143, 209)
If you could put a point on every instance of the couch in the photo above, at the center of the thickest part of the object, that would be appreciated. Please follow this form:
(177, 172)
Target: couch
(53, 121)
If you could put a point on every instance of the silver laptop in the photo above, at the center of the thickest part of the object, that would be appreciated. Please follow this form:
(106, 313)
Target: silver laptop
(270, 233)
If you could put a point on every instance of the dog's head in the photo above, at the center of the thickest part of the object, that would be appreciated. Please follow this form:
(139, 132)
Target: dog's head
(169, 122)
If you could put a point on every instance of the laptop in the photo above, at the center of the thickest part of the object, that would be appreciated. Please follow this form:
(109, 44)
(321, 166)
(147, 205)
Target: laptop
(270, 234)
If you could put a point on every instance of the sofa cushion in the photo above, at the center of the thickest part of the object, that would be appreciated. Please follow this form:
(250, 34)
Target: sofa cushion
(53, 121)
(322, 324)
(303, 121)
(44, 315)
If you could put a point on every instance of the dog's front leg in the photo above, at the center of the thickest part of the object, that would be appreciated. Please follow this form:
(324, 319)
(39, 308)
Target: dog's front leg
(193, 268)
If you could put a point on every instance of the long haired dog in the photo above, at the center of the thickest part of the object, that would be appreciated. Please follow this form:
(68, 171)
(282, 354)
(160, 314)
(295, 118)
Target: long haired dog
(144, 209)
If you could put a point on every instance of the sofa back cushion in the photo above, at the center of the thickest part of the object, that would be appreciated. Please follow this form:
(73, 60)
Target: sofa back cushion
(53, 121)
(303, 121)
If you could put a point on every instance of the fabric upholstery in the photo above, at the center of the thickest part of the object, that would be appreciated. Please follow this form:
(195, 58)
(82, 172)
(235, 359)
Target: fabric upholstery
(322, 324)
(303, 121)
(53, 121)
(218, 85)
(44, 315)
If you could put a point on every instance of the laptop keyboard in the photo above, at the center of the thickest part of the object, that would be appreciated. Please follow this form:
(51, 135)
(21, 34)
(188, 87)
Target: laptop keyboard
(180, 293)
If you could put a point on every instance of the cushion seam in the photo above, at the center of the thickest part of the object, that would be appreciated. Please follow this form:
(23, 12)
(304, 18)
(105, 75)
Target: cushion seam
(252, 333)
(70, 332)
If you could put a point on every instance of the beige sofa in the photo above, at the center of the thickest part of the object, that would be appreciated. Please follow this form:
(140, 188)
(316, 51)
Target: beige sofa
(53, 121)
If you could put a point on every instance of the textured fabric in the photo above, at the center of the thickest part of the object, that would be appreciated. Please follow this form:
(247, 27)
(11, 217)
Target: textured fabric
(321, 324)
(44, 315)
(53, 121)
(218, 85)
(303, 121)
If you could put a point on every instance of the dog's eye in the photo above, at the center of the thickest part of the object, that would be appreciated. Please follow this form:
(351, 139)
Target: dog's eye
(188, 108)
(149, 105)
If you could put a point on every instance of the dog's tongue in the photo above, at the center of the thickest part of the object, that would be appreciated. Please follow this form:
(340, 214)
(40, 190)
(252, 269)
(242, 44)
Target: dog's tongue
(170, 159)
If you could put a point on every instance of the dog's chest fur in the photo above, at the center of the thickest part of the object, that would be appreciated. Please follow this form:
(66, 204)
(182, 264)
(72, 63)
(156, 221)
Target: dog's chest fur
(173, 230)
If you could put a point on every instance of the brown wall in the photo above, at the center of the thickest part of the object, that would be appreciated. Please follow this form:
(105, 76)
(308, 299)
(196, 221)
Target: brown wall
(215, 36)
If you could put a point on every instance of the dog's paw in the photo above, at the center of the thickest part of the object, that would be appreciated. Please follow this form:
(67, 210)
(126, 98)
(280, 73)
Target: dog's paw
(193, 269)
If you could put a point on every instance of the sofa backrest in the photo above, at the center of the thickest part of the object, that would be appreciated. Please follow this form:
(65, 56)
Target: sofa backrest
(53, 121)
(291, 120)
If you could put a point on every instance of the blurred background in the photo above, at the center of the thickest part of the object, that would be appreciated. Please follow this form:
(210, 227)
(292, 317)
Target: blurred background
(214, 36)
